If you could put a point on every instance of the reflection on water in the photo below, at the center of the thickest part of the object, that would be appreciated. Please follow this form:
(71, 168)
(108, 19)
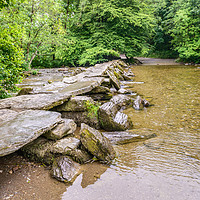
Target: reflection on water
(166, 167)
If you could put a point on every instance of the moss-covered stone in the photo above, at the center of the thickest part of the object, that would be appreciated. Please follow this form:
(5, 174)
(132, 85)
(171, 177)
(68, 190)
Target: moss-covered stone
(75, 104)
(96, 143)
(113, 79)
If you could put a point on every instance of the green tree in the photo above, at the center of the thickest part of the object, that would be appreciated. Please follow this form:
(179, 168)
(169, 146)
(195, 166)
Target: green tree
(11, 59)
(185, 29)
(106, 28)
(177, 30)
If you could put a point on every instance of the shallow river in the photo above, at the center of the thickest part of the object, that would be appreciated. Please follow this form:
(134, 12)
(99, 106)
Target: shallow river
(166, 167)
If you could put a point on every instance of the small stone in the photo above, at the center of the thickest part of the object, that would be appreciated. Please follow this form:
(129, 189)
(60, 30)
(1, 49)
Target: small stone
(66, 127)
(65, 169)
(138, 105)
(16, 168)
(65, 145)
(124, 91)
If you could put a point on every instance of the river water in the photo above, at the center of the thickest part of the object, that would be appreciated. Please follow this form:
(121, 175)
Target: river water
(166, 167)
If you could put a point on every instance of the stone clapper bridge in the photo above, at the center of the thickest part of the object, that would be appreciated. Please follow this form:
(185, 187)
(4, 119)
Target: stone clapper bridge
(42, 118)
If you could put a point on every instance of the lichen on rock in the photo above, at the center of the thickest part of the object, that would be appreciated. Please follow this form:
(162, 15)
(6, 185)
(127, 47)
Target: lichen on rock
(97, 144)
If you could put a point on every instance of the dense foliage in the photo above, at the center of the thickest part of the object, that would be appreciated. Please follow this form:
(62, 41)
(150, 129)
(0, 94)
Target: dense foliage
(52, 33)
(177, 29)
(185, 29)
(11, 57)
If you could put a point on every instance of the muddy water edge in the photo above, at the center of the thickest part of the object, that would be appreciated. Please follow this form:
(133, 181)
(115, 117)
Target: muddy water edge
(165, 167)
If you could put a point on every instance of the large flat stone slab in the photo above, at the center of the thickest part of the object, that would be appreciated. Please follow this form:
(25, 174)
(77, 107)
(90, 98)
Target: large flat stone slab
(35, 102)
(80, 87)
(24, 128)
(50, 88)
(6, 115)
(98, 70)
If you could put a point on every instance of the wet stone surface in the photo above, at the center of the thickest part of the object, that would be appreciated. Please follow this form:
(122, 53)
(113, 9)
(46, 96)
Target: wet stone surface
(125, 137)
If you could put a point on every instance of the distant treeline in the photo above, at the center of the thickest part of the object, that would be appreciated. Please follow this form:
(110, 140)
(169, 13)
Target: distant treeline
(53, 33)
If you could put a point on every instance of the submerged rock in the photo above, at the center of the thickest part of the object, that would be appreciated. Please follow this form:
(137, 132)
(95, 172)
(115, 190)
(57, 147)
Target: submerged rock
(65, 169)
(124, 137)
(24, 128)
(140, 103)
(155, 143)
(66, 127)
(111, 119)
(96, 143)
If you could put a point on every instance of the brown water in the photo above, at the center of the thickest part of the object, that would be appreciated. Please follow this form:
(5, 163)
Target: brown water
(164, 168)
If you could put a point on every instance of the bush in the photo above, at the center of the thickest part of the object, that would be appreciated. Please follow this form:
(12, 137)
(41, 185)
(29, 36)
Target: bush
(97, 55)
(11, 59)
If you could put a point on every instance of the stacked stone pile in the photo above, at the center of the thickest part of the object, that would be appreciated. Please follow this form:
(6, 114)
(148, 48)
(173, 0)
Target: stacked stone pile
(42, 122)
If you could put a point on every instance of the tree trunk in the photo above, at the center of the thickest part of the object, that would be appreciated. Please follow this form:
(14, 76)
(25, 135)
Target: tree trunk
(33, 56)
